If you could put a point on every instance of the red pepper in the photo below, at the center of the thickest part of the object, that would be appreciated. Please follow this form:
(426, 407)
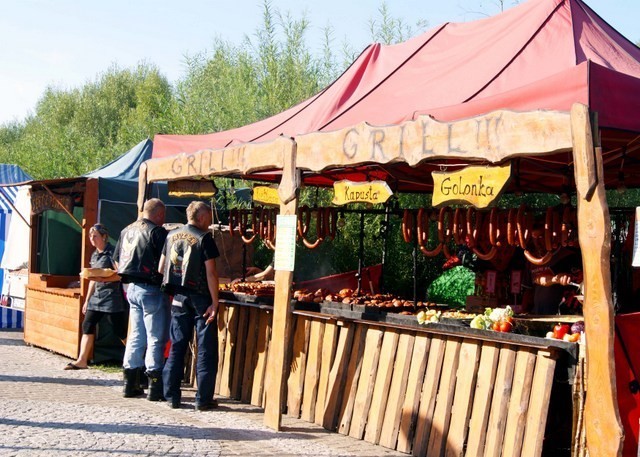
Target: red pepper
(560, 330)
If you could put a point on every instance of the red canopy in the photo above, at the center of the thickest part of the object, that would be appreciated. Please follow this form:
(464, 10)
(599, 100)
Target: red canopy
(541, 54)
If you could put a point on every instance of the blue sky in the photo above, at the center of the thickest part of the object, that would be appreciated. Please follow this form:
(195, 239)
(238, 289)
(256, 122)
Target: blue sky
(66, 43)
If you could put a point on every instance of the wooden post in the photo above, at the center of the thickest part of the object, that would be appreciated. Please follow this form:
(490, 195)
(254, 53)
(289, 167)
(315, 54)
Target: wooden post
(276, 381)
(603, 426)
(90, 218)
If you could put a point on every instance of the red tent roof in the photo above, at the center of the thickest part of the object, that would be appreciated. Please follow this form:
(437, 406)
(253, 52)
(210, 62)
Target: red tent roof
(541, 54)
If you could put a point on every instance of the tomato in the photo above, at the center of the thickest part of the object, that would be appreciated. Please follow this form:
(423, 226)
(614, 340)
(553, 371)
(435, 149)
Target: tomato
(496, 326)
(560, 330)
(506, 326)
(509, 319)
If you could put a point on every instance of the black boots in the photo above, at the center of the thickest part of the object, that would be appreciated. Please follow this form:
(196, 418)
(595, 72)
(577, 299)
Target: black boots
(132, 383)
(155, 386)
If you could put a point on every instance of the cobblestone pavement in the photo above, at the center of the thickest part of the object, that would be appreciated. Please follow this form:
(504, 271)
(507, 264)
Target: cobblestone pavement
(46, 411)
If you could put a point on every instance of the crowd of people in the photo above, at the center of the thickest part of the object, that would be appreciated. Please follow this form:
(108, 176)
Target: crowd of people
(171, 285)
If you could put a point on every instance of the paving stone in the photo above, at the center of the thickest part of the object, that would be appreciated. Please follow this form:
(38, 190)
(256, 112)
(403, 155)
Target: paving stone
(47, 411)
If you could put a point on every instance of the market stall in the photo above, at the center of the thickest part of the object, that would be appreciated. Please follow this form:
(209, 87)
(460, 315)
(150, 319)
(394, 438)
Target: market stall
(537, 61)
(62, 213)
(511, 135)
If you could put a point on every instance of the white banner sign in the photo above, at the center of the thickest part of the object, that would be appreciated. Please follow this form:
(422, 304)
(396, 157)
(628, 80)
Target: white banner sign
(636, 249)
(285, 256)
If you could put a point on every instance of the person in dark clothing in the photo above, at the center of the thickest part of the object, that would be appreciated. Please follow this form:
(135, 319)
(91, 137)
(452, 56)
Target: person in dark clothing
(554, 283)
(189, 268)
(138, 254)
(104, 298)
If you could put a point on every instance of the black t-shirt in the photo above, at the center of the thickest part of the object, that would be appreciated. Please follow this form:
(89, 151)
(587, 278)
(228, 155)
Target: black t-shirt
(547, 299)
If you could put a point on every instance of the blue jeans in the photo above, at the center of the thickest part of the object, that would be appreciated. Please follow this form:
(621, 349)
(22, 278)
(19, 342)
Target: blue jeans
(183, 320)
(148, 327)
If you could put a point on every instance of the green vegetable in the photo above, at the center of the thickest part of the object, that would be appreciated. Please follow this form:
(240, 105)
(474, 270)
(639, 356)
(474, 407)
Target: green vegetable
(452, 287)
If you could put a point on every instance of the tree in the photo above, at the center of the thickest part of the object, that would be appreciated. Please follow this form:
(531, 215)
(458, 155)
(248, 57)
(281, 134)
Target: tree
(75, 131)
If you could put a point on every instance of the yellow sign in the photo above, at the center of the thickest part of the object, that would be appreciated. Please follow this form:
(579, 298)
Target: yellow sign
(479, 186)
(195, 189)
(266, 195)
(360, 192)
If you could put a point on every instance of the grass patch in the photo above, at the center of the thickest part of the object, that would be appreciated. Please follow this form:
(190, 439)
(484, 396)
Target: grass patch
(108, 367)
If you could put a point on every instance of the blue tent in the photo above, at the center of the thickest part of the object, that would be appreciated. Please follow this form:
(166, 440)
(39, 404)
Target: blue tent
(9, 174)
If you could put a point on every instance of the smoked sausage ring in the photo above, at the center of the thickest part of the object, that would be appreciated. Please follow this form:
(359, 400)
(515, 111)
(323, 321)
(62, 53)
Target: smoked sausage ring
(244, 220)
(331, 222)
(568, 226)
(538, 261)
(493, 227)
(548, 229)
(422, 230)
(472, 226)
(459, 226)
(264, 223)
(407, 226)
(524, 226)
(445, 224)
(304, 218)
(233, 220)
(445, 229)
(512, 227)
(319, 231)
(481, 237)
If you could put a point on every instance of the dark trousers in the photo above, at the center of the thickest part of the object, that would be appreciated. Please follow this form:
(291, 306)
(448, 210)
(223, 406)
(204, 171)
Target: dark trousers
(183, 320)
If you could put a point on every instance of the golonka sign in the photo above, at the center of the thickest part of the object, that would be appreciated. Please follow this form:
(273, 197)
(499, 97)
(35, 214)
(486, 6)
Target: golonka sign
(478, 186)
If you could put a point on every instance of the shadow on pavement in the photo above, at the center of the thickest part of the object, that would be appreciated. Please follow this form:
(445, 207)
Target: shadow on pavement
(174, 431)
(61, 380)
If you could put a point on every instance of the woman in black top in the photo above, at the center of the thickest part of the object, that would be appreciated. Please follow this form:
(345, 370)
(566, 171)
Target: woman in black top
(104, 298)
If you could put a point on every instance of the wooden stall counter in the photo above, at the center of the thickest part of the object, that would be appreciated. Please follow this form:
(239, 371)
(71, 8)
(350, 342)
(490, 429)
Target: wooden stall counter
(420, 389)
(53, 313)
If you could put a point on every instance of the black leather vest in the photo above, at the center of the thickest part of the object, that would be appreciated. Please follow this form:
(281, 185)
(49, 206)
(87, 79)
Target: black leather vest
(137, 258)
(184, 262)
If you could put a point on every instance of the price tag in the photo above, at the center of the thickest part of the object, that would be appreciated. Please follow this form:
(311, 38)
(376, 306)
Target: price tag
(516, 281)
(491, 281)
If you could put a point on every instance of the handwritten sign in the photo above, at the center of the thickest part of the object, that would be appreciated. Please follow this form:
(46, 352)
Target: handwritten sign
(266, 195)
(360, 192)
(285, 255)
(42, 201)
(479, 186)
(196, 189)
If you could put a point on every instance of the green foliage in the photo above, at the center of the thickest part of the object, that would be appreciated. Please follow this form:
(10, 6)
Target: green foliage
(78, 130)
(390, 30)
(452, 287)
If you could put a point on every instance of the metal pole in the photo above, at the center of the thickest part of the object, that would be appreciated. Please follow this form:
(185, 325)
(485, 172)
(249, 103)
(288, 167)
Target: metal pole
(360, 254)
(385, 244)
(414, 256)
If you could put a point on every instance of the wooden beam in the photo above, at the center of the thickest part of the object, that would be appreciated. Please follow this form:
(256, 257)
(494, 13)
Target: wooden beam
(276, 381)
(603, 426)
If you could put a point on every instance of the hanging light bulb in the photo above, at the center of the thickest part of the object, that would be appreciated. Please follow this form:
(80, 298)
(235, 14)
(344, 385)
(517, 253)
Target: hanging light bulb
(564, 198)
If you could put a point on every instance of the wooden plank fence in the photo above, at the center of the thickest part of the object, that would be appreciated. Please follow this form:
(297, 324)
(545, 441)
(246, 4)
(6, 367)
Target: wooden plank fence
(418, 392)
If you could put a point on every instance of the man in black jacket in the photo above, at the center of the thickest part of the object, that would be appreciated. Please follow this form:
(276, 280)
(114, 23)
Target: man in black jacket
(138, 254)
(189, 268)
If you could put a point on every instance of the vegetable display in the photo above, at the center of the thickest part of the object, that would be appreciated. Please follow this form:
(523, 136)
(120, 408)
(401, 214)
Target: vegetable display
(566, 332)
(496, 319)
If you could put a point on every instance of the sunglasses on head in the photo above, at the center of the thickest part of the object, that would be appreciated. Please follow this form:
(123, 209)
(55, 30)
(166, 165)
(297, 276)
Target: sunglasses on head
(100, 229)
